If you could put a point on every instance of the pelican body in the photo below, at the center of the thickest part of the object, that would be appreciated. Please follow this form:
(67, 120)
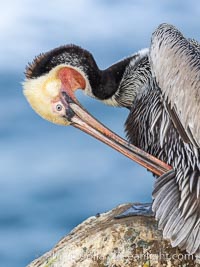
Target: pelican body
(161, 88)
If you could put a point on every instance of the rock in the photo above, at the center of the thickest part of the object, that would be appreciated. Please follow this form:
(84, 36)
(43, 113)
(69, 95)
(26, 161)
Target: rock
(103, 241)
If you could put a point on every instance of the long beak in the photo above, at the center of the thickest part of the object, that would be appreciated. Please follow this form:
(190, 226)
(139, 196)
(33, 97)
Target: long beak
(81, 119)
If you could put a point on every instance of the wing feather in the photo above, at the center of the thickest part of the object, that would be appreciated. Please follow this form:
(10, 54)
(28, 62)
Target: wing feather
(175, 63)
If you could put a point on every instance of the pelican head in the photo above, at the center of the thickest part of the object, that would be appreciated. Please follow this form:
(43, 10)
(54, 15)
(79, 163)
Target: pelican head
(64, 69)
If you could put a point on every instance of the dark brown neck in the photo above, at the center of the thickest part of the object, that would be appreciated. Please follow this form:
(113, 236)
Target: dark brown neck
(109, 80)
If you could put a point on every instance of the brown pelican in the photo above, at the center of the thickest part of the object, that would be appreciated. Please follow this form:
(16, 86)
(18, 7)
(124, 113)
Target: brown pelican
(161, 87)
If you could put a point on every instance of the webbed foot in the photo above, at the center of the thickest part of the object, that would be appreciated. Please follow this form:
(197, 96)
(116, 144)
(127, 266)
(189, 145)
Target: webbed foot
(140, 209)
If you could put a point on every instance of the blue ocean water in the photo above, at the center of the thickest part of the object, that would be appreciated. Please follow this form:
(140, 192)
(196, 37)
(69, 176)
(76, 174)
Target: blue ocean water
(53, 177)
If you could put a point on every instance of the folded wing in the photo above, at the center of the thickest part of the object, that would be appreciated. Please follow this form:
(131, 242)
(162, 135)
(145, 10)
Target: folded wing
(175, 63)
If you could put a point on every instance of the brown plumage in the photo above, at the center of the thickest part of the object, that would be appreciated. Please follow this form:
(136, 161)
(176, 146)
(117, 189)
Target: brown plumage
(161, 87)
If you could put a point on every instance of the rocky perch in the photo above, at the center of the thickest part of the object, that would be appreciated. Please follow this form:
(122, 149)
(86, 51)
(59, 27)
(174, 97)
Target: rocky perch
(103, 241)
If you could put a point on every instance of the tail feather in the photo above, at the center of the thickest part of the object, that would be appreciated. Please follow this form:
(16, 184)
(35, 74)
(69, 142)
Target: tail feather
(170, 208)
(159, 196)
(182, 230)
(180, 223)
(171, 223)
(193, 240)
(176, 221)
(163, 213)
(162, 180)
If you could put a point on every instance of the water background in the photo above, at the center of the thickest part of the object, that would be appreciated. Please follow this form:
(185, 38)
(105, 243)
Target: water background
(53, 177)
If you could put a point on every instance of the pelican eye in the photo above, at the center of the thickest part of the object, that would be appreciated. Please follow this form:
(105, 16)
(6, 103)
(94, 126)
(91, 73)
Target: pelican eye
(59, 107)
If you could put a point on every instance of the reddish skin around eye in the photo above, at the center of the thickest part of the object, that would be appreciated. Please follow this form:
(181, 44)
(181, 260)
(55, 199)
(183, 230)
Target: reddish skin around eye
(71, 81)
